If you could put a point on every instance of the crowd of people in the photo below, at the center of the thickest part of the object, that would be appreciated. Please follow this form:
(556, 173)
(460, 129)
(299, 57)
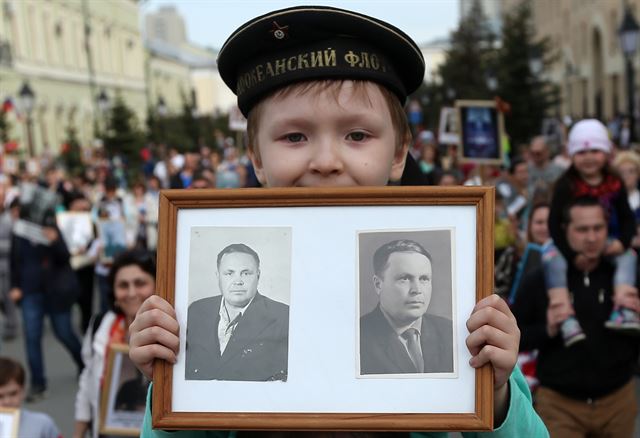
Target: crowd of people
(530, 222)
(565, 237)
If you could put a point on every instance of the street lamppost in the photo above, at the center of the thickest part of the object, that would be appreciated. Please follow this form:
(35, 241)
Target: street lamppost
(103, 102)
(491, 80)
(535, 62)
(162, 112)
(628, 34)
(103, 106)
(27, 102)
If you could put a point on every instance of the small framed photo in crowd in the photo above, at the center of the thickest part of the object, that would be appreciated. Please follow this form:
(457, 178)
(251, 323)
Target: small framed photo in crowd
(76, 228)
(124, 396)
(10, 165)
(448, 131)
(9, 422)
(113, 236)
(481, 131)
(286, 297)
(33, 167)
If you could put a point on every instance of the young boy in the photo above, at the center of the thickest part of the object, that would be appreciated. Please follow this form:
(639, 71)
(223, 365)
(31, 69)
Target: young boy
(323, 91)
(32, 424)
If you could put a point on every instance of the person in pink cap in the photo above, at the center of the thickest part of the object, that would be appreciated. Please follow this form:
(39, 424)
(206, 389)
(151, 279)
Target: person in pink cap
(590, 176)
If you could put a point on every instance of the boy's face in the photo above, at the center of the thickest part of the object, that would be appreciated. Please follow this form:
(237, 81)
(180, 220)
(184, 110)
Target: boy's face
(11, 395)
(318, 139)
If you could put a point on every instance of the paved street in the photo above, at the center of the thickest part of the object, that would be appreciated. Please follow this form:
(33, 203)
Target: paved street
(61, 375)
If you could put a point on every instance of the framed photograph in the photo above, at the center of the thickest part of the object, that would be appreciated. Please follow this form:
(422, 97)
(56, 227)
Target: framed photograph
(10, 165)
(76, 228)
(423, 255)
(279, 294)
(448, 131)
(33, 167)
(113, 234)
(481, 130)
(124, 394)
(9, 422)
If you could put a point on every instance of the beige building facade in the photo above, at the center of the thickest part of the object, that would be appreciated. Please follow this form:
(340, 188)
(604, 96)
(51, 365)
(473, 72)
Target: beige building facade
(435, 54)
(590, 69)
(46, 45)
(169, 79)
(165, 35)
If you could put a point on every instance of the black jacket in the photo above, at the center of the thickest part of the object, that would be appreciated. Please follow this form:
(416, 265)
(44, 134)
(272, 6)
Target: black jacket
(592, 368)
(257, 350)
(381, 352)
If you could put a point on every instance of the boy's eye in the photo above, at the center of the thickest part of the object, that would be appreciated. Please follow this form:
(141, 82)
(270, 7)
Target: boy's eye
(357, 136)
(295, 137)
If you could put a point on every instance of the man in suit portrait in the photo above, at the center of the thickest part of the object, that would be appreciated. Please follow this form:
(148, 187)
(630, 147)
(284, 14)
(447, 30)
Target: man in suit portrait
(399, 336)
(240, 335)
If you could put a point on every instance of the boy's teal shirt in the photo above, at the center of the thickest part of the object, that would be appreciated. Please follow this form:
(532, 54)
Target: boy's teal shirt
(521, 421)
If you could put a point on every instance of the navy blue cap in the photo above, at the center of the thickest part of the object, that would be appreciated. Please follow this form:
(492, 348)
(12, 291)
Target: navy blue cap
(306, 43)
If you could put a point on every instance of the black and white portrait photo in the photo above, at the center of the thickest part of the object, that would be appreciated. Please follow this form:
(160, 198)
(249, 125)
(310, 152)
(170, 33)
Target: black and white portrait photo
(238, 315)
(123, 401)
(406, 297)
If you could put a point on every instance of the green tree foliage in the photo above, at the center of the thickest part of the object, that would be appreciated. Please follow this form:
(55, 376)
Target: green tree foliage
(530, 95)
(123, 137)
(71, 154)
(474, 55)
(5, 128)
(180, 131)
(190, 124)
(472, 47)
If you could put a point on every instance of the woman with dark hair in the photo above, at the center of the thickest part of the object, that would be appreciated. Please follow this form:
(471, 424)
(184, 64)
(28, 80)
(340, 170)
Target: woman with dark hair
(132, 280)
(518, 259)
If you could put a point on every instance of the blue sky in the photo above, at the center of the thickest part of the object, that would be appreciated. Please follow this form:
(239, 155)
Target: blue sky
(210, 22)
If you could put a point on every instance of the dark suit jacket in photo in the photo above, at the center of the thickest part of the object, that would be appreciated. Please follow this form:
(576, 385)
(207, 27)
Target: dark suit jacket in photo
(257, 349)
(381, 352)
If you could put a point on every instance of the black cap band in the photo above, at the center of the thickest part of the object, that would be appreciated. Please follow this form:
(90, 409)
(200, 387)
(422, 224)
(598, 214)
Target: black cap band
(315, 43)
(340, 58)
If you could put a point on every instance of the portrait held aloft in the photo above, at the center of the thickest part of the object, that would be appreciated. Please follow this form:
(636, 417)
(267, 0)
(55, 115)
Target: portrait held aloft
(123, 399)
(399, 336)
(481, 131)
(239, 335)
(313, 253)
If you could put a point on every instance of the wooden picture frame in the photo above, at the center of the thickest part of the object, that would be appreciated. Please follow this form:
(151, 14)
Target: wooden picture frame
(9, 422)
(115, 419)
(481, 129)
(327, 220)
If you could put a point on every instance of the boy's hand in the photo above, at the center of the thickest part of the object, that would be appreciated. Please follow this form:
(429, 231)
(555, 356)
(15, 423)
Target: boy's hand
(153, 334)
(494, 338)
